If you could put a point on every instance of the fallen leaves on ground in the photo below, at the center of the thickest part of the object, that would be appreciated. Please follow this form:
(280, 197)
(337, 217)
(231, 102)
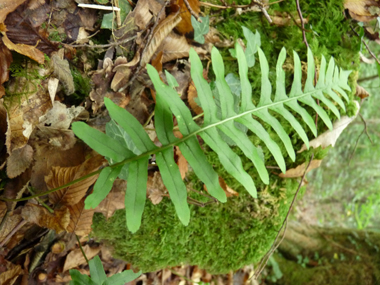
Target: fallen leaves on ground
(76, 258)
(363, 10)
(299, 171)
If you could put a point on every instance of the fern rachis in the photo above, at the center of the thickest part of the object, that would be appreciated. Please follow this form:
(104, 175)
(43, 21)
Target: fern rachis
(168, 103)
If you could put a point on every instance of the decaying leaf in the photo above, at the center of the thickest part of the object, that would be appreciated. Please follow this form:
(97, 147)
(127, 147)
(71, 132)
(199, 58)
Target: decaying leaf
(185, 26)
(156, 188)
(159, 34)
(10, 273)
(5, 62)
(80, 219)
(62, 71)
(8, 6)
(361, 92)
(191, 95)
(27, 50)
(227, 189)
(76, 258)
(19, 160)
(299, 171)
(181, 162)
(59, 176)
(9, 224)
(363, 10)
(144, 12)
(114, 200)
(330, 137)
(41, 216)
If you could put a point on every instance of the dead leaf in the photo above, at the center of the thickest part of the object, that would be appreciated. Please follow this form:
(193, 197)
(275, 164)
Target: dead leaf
(59, 176)
(185, 26)
(10, 223)
(114, 200)
(6, 7)
(227, 189)
(159, 34)
(61, 70)
(361, 92)
(144, 12)
(157, 62)
(76, 258)
(80, 219)
(60, 117)
(27, 50)
(191, 95)
(12, 272)
(156, 188)
(330, 137)
(299, 171)
(52, 88)
(363, 10)
(5, 61)
(19, 160)
(39, 215)
(181, 162)
(3, 209)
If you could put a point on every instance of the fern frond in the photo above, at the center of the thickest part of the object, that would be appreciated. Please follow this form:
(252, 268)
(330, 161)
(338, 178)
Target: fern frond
(222, 118)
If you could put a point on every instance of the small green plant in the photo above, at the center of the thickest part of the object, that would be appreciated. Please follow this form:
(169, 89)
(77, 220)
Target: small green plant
(99, 277)
(130, 151)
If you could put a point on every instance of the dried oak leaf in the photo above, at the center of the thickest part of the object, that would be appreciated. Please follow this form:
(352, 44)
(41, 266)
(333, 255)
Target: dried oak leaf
(76, 258)
(19, 160)
(80, 219)
(299, 171)
(61, 70)
(39, 215)
(59, 176)
(11, 273)
(361, 92)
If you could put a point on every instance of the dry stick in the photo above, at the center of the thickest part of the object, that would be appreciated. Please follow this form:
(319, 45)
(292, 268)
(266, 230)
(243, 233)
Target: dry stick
(302, 23)
(104, 46)
(192, 11)
(15, 229)
(367, 47)
(365, 130)
(368, 78)
(284, 225)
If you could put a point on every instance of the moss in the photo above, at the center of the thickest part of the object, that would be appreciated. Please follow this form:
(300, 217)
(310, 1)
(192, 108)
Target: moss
(224, 237)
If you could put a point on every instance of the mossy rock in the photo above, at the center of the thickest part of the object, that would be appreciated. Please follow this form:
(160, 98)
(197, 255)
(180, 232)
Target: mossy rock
(224, 237)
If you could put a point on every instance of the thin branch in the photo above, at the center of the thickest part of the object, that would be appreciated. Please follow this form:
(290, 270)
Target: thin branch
(81, 249)
(367, 47)
(276, 244)
(192, 12)
(368, 78)
(302, 23)
(365, 130)
(103, 46)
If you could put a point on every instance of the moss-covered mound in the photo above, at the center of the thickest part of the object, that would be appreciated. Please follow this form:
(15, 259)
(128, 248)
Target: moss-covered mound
(223, 237)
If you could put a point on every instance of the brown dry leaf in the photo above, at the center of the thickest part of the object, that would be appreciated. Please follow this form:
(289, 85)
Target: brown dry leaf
(3, 209)
(191, 95)
(24, 111)
(185, 25)
(5, 61)
(80, 219)
(19, 160)
(8, 6)
(159, 34)
(27, 50)
(39, 215)
(61, 70)
(76, 258)
(144, 11)
(156, 188)
(299, 171)
(361, 92)
(363, 10)
(114, 200)
(181, 162)
(11, 273)
(330, 137)
(122, 74)
(59, 176)
(227, 189)
(10, 223)
(157, 62)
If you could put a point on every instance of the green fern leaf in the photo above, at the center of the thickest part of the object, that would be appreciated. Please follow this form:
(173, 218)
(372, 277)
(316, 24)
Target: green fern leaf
(220, 117)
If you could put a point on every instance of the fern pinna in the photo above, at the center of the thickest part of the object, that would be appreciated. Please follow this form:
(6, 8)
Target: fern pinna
(128, 147)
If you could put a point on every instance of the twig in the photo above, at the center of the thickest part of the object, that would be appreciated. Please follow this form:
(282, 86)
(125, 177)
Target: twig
(302, 23)
(192, 11)
(368, 78)
(15, 229)
(367, 47)
(103, 46)
(365, 130)
(81, 249)
(275, 245)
